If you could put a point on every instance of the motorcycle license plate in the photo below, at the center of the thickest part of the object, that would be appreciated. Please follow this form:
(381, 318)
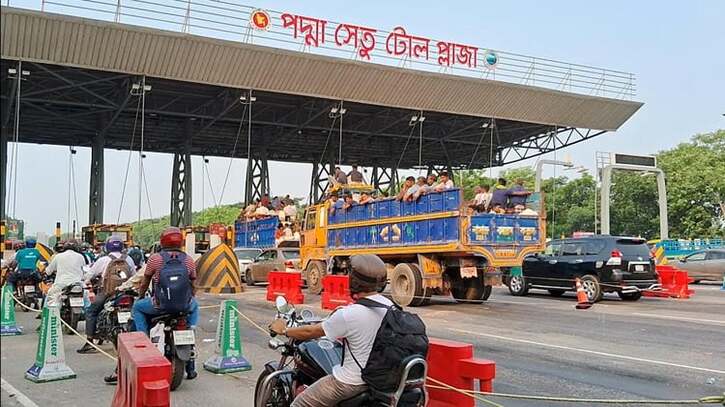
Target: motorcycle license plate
(468, 272)
(29, 289)
(185, 337)
(123, 317)
(76, 301)
(638, 267)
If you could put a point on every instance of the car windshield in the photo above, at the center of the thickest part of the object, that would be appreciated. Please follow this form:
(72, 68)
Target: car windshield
(633, 247)
(291, 254)
(247, 254)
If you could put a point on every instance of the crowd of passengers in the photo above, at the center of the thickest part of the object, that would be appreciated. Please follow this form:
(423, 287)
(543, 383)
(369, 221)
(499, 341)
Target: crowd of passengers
(284, 208)
(502, 200)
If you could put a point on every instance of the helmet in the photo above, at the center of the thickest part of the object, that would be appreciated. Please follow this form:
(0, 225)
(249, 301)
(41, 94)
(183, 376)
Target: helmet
(137, 256)
(70, 244)
(114, 244)
(367, 273)
(171, 238)
(30, 242)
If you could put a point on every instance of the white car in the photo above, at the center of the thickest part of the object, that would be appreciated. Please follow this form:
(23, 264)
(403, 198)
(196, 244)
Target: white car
(246, 256)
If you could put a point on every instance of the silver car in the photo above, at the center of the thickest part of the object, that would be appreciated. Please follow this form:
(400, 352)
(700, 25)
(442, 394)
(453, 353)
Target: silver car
(246, 256)
(703, 265)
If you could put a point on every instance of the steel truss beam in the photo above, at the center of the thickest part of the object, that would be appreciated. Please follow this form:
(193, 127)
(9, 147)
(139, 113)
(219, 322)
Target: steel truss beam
(96, 192)
(321, 180)
(181, 186)
(385, 179)
(537, 145)
(257, 183)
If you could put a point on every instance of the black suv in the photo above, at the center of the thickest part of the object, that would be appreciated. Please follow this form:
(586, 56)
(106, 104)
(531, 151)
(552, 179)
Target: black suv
(602, 263)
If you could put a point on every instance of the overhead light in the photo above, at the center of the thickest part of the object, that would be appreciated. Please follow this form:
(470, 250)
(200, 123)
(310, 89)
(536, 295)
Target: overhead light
(12, 71)
(26, 73)
(485, 125)
(343, 111)
(299, 131)
(414, 118)
(334, 110)
(136, 86)
(147, 88)
(153, 114)
(421, 119)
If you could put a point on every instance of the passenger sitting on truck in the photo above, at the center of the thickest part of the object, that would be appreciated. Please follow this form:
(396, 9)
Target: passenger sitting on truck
(481, 200)
(404, 190)
(518, 193)
(499, 196)
(290, 211)
(445, 183)
(279, 232)
(261, 212)
(265, 201)
(365, 198)
(334, 203)
(349, 202)
(415, 191)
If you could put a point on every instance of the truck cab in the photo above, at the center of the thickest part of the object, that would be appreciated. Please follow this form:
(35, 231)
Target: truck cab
(434, 245)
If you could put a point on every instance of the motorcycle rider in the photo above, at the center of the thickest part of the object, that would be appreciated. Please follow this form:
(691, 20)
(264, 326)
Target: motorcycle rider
(27, 263)
(68, 269)
(114, 247)
(356, 323)
(171, 242)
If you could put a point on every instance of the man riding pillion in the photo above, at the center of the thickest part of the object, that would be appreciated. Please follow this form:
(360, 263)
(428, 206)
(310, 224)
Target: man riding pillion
(114, 268)
(172, 273)
(27, 263)
(68, 269)
(356, 323)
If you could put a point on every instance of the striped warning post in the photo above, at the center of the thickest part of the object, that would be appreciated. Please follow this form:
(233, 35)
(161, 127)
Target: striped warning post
(217, 271)
(45, 252)
(659, 255)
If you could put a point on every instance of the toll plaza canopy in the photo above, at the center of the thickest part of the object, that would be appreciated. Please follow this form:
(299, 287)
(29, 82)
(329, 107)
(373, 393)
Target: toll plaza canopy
(217, 78)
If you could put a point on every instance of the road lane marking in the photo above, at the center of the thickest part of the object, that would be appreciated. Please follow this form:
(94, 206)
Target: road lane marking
(712, 321)
(592, 352)
(17, 395)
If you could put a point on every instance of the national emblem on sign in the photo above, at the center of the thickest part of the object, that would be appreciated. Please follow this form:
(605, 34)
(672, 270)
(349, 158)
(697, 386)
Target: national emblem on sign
(259, 20)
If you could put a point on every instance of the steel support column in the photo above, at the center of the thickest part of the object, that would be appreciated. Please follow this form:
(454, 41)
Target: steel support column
(3, 169)
(181, 188)
(385, 179)
(96, 195)
(257, 183)
(322, 175)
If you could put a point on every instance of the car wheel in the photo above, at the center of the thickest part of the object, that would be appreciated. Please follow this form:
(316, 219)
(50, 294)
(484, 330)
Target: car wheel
(316, 271)
(629, 296)
(592, 288)
(517, 285)
(249, 279)
(556, 293)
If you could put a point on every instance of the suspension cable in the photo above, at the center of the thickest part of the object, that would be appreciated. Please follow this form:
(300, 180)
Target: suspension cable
(234, 149)
(553, 188)
(140, 150)
(211, 188)
(16, 138)
(73, 182)
(128, 161)
(405, 147)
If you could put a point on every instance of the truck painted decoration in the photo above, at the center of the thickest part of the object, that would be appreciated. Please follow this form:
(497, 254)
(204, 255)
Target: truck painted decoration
(257, 233)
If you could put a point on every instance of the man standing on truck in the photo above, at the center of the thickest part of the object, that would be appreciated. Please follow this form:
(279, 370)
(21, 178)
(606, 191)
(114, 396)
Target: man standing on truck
(355, 175)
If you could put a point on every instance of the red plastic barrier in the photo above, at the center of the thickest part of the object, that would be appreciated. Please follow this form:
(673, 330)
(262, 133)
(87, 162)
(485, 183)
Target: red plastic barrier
(674, 283)
(336, 292)
(453, 363)
(143, 373)
(287, 284)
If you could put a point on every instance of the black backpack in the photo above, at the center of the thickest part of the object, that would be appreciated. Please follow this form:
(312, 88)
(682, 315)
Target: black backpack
(401, 334)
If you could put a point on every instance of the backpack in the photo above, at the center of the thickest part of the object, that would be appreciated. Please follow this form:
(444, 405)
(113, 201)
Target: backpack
(116, 273)
(173, 289)
(401, 334)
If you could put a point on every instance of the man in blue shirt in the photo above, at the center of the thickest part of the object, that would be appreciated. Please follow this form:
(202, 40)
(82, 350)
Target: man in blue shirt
(500, 194)
(517, 194)
(27, 260)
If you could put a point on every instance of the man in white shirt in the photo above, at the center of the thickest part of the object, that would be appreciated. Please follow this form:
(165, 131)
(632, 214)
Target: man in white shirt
(68, 269)
(446, 182)
(357, 324)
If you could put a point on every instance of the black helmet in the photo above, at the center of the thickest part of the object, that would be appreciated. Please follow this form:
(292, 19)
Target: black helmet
(367, 273)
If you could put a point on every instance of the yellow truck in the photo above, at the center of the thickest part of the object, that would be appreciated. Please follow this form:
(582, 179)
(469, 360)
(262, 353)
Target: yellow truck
(430, 246)
(97, 234)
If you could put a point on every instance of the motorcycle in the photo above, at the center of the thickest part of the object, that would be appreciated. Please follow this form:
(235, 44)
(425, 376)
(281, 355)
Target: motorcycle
(115, 316)
(278, 385)
(28, 292)
(72, 306)
(176, 343)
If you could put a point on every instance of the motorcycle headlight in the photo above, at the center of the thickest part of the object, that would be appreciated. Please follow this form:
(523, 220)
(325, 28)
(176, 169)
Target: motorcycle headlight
(77, 289)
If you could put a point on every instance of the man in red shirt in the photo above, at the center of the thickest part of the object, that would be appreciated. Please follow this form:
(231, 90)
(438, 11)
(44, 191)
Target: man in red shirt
(171, 242)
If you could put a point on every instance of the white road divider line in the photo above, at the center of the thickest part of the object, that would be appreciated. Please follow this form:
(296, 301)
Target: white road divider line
(591, 352)
(710, 321)
(17, 395)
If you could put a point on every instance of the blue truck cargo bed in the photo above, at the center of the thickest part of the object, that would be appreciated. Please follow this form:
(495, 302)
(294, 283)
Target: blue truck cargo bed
(255, 233)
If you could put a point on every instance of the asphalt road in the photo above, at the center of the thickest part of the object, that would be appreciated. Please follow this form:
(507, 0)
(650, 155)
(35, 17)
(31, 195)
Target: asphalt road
(651, 349)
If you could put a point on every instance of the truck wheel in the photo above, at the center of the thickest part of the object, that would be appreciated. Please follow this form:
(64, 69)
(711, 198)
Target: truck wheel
(407, 286)
(518, 285)
(592, 288)
(470, 289)
(316, 271)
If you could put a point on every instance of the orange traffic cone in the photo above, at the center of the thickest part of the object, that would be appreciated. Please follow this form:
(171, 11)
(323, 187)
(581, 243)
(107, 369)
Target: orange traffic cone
(582, 302)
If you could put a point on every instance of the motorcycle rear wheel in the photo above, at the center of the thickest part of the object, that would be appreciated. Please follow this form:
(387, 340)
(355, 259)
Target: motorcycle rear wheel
(177, 372)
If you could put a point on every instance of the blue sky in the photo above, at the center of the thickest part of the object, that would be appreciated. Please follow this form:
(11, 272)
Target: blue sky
(676, 49)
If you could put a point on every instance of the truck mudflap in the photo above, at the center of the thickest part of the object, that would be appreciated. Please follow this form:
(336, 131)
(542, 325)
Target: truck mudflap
(492, 276)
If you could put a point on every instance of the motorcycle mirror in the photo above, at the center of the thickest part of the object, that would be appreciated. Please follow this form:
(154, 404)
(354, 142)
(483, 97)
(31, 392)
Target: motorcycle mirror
(282, 306)
(274, 344)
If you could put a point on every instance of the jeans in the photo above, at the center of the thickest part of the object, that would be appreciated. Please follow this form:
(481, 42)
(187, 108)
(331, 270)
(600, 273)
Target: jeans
(144, 308)
(327, 391)
(92, 314)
